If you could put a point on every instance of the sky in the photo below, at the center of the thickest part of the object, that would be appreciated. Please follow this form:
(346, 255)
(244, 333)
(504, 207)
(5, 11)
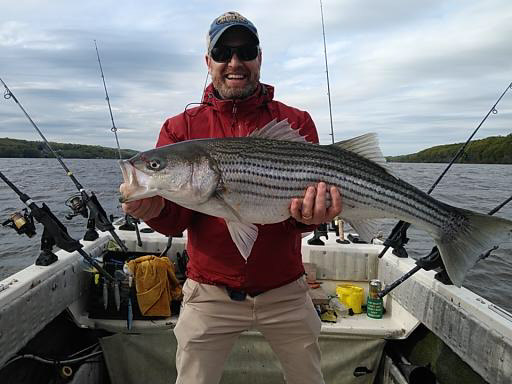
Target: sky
(418, 73)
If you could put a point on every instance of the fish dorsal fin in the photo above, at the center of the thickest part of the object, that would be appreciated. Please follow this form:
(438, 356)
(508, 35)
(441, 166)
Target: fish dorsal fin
(367, 146)
(278, 130)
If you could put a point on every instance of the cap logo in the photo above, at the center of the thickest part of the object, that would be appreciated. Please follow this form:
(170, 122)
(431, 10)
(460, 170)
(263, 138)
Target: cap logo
(231, 18)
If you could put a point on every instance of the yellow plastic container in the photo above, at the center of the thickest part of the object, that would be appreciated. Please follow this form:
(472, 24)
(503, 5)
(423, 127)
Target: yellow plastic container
(344, 291)
(356, 299)
(351, 296)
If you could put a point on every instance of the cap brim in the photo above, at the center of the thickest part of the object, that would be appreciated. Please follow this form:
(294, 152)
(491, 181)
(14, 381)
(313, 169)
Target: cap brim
(221, 32)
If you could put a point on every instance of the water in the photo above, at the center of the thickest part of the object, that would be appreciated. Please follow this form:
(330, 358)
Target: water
(476, 187)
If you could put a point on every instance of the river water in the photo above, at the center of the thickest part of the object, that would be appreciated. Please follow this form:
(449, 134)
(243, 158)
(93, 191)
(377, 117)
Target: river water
(476, 187)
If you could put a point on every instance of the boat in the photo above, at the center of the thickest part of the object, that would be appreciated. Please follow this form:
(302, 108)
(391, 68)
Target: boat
(60, 323)
(56, 327)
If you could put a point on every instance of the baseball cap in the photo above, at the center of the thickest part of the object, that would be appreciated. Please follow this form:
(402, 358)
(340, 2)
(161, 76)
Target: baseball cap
(228, 20)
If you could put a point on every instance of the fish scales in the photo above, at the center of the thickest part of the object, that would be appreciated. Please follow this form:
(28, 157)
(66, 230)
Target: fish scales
(333, 179)
(282, 170)
(353, 166)
(301, 182)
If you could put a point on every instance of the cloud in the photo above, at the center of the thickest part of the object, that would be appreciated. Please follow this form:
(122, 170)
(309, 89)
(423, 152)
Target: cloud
(417, 73)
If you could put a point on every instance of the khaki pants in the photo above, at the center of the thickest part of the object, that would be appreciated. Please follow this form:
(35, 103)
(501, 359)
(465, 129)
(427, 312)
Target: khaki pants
(210, 323)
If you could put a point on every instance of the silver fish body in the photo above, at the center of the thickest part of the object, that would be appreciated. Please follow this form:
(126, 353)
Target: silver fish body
(251, 180)
(260, 177)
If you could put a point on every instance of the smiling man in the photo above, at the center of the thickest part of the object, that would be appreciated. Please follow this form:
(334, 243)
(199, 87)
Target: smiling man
(234, 59)
(225, 294)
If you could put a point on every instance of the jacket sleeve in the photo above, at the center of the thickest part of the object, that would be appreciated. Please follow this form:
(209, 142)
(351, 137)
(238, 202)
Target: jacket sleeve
(173, 219)
(307, 129)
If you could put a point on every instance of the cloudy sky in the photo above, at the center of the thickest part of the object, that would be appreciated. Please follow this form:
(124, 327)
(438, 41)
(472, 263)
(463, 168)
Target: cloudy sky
(419, 73)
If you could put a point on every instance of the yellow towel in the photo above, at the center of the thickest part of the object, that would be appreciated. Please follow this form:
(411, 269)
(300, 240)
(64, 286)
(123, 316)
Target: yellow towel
(156, 284)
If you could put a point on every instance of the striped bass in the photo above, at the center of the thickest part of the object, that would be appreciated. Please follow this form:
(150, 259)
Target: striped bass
(252, 180)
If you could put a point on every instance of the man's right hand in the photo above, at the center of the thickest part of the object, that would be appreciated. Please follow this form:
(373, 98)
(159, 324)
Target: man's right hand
(144, 209)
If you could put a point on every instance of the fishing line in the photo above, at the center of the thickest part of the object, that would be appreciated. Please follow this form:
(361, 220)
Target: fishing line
(205, 83)
(397, 237)
(130, 221)
(186, 110)
(96, 210)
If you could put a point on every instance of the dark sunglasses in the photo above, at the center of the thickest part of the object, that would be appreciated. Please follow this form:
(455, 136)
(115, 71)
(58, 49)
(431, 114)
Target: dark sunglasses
(223, 54)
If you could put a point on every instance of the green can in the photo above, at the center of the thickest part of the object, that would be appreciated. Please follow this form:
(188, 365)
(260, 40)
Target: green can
(374, 304)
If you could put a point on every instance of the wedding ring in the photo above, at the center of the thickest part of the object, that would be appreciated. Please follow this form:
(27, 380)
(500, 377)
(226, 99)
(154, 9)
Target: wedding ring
(307, 217)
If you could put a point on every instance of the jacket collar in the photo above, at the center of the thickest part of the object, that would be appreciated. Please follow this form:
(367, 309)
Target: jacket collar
(263, 95)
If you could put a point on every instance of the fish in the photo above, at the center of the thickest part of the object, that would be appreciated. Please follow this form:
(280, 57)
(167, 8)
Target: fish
(252, 180)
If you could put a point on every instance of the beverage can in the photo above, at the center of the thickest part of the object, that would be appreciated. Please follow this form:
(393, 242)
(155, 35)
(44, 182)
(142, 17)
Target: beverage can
(374, 304)
(375, 288)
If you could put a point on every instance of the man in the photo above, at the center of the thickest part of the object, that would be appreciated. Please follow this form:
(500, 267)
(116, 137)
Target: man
(224, 294)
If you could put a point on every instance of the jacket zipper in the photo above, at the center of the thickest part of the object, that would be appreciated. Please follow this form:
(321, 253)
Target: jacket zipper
(233, 117)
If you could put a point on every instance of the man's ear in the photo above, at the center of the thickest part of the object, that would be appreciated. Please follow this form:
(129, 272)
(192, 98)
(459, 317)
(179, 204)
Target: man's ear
(207, 60)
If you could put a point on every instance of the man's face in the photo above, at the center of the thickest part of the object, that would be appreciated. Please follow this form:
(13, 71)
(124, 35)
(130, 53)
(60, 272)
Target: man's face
(236, 79)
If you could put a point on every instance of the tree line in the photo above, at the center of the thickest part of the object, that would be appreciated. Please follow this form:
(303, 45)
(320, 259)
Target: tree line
(38, 149)
(491, 150)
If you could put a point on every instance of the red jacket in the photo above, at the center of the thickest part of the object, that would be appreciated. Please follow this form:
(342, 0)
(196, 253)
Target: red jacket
(275, 259)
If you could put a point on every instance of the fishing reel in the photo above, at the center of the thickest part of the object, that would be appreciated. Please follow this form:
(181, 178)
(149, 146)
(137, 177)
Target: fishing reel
(22, 222)
(77, 206)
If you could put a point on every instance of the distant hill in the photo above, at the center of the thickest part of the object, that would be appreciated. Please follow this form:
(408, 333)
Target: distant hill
(38, 149)
(491, 150)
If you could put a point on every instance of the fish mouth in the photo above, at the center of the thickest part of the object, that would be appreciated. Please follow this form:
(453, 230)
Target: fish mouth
(135, 183)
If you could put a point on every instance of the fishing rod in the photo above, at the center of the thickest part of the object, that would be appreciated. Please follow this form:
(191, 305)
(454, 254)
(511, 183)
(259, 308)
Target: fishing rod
(327, 73)
(398, 238)
(131, 223)
(433, 259)
(114, 128)
(96, 212)
(54, 233)
(205, 83)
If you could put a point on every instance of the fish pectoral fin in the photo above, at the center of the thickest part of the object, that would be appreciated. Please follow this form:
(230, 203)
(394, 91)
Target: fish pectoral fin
(244, 235)
(366, 229)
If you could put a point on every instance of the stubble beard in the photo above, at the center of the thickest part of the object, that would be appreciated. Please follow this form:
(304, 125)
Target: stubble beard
(227, 92)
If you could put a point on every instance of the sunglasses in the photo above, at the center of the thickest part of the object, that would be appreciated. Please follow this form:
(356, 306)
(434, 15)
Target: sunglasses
(223, 54)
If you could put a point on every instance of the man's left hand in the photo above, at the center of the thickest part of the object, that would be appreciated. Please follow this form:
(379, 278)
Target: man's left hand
(316, 207)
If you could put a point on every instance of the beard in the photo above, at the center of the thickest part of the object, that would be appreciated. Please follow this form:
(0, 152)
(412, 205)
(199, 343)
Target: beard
(228, 92)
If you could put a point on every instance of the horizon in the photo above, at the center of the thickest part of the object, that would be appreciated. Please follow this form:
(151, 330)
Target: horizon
(418, 74)
(131, 149)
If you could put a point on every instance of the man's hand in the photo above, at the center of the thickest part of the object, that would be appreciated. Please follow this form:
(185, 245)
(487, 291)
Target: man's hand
(144, 209)
(318, 205)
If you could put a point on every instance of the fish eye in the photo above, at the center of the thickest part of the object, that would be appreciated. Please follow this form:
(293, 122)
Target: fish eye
(153, 164)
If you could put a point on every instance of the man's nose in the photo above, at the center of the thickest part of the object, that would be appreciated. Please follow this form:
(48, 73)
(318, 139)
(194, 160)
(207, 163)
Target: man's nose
(235, 60)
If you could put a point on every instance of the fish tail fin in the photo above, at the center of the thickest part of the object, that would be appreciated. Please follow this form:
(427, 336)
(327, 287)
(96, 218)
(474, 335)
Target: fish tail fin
(463, 248)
